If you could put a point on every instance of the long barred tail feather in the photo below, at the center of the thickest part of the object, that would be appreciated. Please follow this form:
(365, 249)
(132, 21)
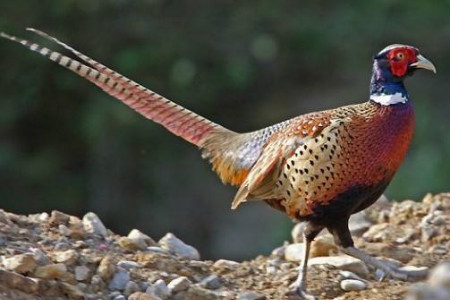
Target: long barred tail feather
(220, 145)
(175, 118)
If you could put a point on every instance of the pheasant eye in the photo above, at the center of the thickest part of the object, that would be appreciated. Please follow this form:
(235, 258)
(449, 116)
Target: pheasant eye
(400, 56)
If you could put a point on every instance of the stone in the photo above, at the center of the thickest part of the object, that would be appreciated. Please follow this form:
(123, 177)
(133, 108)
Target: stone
(4, 217)
(68, 257)
(141, 239)
(72, 291)
(196, 292)
(422, 291)
(440, 276)
(377, 233)
(179, 284)
(128, 264)
(52, 271)
(159, 288)
(131, 288)
(62, 246)
(93, 225)
(211, 282)
(142, 296)
(279, 252)
(226, 264)
(294, 252)
(155, 249)
(15, 281)
(250, 296)
(129, 244)
(97, 283)
(322, 246)
(22, 263)
(58, 218)
(177, 247)
(359, 223)
(119, 280)
(106, 268)
(297, 232)
(40, 257)
(82, 273)
(119, 297)
(350, 275)
(64, 230)
(342, 262)
(353, 285)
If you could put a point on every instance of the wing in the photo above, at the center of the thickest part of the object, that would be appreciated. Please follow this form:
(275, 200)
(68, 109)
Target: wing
(262, 178)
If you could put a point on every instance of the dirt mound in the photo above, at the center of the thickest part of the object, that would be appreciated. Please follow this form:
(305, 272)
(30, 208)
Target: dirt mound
(58, 256)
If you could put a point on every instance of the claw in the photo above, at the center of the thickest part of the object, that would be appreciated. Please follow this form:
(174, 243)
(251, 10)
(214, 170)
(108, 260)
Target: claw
(297, 293)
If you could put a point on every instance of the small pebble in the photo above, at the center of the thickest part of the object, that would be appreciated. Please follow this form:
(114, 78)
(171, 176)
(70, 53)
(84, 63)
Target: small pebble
(21, 263)
(226, 264)
(440, 276)
(159, 288)
(176, 246)
(353, 285)
(179, 284)
(131, 288)
(82, 273)
(92, 224)
(119, 280)
(250, 296)
(211, 282)
(128, 264)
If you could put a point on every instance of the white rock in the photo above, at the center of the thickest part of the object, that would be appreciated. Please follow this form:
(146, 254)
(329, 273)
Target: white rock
(350, 275)
(440, 276)
(120, 280)
(82, 273)
(353, 285)
(176, 246)
(179, 284)
(21, 263)
(294, 252)
(422, 291)
(159, 289)
(141, 239)
(226, 264)
(128, 264)
(67, 257)
(342, 262)
(92, 224)
(297, 232)
(279, 252)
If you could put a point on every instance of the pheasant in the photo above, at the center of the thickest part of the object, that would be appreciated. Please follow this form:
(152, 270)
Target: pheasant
(318, 168)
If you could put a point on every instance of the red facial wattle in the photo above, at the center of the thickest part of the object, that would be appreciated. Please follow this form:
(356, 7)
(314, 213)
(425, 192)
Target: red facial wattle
(399, 59)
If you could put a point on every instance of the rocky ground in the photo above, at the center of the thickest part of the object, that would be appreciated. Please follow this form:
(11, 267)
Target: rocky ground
(58, 256)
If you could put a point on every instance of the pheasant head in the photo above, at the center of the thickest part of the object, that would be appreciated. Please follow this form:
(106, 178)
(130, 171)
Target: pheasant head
(390, 67)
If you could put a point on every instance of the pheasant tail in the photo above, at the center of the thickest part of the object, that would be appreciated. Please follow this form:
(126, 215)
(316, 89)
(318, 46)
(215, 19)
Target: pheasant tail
(211, 137)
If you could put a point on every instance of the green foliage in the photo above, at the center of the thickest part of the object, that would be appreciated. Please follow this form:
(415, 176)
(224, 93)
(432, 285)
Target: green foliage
(66, 145)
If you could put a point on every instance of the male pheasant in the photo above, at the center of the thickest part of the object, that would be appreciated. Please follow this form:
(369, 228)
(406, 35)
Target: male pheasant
(318, 168)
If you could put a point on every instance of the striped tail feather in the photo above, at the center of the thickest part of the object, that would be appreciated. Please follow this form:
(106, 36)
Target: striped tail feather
(175, 118)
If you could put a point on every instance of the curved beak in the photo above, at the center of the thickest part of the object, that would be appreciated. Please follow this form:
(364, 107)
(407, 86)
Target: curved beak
(423, 63)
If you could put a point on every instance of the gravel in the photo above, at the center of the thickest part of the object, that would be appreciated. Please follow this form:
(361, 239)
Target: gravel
(58, 256)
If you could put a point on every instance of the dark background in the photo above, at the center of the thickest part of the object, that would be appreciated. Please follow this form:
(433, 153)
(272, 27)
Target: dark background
(66, 145)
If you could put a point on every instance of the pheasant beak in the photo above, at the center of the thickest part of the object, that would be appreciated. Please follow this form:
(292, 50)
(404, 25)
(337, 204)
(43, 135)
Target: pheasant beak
(423, 63)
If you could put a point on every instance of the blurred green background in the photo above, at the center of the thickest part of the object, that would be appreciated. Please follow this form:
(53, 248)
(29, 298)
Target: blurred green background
(66, 145)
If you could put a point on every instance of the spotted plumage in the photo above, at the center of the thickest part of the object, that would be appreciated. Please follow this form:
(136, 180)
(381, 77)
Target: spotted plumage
(319, 167)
